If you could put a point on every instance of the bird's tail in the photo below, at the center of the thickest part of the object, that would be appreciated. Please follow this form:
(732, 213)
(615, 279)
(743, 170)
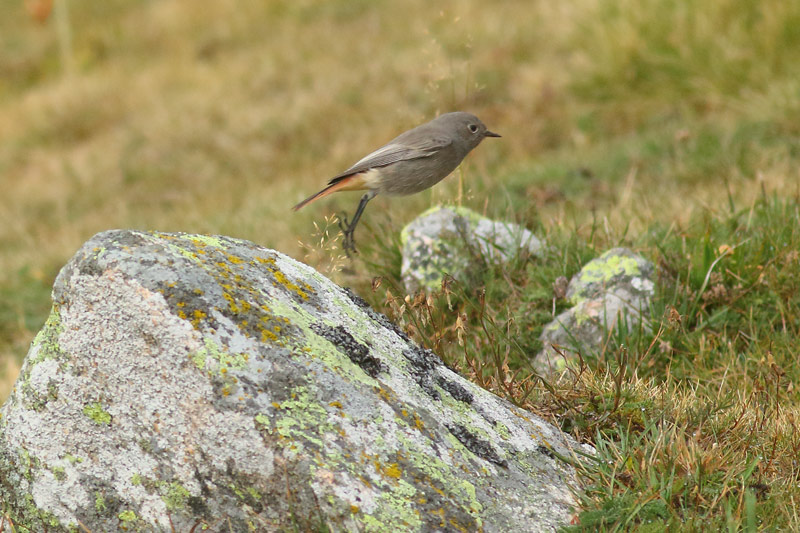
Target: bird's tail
(354, 182)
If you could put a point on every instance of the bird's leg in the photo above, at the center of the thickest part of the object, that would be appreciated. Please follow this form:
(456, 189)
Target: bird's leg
(348, 228)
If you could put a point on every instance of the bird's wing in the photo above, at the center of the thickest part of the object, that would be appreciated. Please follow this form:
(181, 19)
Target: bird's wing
(394, 152)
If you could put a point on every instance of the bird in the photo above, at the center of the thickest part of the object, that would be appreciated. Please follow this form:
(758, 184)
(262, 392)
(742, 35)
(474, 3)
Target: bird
(411, 162)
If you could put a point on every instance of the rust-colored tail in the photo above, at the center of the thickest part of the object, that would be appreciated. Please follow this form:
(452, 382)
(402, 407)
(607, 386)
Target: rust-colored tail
(353, 182)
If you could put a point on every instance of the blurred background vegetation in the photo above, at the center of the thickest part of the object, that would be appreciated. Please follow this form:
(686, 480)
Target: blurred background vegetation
(634, 122)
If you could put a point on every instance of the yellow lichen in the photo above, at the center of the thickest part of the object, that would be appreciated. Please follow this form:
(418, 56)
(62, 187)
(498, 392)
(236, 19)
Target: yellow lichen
(393, 471)
(281, 278)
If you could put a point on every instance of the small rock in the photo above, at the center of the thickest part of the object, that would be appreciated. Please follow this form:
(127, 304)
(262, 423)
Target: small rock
(612, 291)
(448, 240)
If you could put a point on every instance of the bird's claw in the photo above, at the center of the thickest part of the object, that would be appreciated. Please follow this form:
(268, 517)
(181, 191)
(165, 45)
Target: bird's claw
(348, 229)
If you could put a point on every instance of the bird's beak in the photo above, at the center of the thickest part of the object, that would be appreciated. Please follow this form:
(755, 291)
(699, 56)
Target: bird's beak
(491, 134)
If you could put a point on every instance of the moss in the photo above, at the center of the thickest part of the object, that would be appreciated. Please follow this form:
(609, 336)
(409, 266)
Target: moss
(127, 516)
(96, 413)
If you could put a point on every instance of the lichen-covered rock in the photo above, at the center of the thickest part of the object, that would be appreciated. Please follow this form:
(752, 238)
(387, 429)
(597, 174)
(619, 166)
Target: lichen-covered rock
(186, 382)
(611, 291)
(447, 240)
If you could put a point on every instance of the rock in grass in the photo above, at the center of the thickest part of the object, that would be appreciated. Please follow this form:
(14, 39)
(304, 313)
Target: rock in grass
(448, 240)
(612, 291)
(205, 383)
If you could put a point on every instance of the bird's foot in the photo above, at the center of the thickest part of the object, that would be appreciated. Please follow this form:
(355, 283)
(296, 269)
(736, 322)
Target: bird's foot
(349, 243)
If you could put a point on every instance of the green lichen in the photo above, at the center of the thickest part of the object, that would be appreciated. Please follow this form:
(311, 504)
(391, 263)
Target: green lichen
(263, 421)
(174, 495)
(317, 347)
(440, 476)
(46, 345)
(444, 254)
(300, 422)
(97, 414)
(580, 315)
(473, 217)
(604, 269)
(127, 516)
(397, 510)
(59, 473)
(99, 503)
(223, 358)
(205, 240)
(502, 430)
(47, 338)
(301, 419)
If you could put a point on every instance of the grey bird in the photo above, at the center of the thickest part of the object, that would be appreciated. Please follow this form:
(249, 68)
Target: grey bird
(411, 162)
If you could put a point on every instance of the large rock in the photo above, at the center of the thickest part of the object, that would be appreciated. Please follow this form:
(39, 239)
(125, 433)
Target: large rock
(448, 240)
(186, 382)
(610, 292)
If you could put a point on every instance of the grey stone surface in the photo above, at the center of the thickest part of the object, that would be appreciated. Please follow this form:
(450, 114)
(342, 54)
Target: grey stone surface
(446, 240)
(611, 291)
(186, 381)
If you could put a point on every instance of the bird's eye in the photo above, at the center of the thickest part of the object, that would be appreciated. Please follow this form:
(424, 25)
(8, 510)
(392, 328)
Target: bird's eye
(473, 128)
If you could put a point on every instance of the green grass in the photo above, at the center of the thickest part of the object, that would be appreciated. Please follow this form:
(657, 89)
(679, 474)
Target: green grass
(669, 127)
